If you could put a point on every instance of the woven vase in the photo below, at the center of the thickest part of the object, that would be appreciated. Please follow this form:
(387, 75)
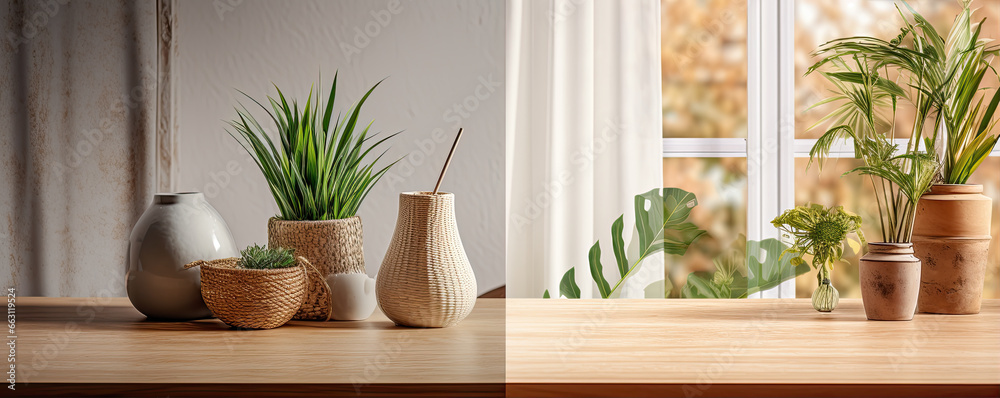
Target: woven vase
(425, 279)
(252, 298)
(332, 246)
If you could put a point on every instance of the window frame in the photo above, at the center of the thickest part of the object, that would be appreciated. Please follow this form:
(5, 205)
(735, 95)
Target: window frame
(770, 147)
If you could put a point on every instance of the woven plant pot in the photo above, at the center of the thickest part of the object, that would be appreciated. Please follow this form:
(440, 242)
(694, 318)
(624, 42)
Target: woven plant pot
(425, 279)
(252, 298)
(332, 246)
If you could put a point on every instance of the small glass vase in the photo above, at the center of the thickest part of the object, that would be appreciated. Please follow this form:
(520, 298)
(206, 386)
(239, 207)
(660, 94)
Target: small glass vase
(825, 297)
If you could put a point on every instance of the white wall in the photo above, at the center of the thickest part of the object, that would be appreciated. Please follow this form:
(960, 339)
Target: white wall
(445, 66)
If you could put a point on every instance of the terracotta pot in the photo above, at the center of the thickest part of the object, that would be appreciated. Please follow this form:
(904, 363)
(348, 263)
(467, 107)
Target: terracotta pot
(890, 280)
(951, 237)
(332, 246)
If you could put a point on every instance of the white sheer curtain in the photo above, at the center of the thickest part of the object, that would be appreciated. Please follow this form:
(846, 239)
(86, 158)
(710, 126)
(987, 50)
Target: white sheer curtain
(583, 137)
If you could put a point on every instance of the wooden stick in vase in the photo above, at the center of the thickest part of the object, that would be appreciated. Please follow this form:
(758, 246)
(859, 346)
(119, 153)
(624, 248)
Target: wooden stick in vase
(447, 162)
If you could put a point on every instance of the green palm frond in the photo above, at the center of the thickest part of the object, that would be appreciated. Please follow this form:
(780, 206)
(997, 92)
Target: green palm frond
(316, 170)
(867, 103)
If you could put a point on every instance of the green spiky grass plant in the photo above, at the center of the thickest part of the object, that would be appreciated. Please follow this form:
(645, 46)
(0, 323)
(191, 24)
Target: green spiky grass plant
(942, 78)
(317, 171)
(968, 139)
(259, 257)
(898, 180)
(945, 76)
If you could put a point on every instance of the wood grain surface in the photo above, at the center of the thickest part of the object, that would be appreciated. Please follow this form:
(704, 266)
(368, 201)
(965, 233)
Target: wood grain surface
(93, 346)
(764, 347)
(79, 346)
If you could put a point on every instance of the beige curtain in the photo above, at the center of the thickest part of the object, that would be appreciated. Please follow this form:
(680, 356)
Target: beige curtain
(78, 109)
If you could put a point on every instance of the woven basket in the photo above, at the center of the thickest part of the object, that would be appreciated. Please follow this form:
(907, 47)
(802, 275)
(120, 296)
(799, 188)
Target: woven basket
(426, 279)
(252, 298)
(332, 246)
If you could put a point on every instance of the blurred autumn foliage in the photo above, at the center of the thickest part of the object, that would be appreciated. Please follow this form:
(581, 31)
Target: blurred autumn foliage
(704, 87)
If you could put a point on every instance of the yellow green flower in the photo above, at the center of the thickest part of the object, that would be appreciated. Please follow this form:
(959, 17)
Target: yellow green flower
(818, 231)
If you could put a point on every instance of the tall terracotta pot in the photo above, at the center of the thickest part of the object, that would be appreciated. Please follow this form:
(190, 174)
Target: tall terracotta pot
(332, 246)
(951, 237)
(890, 279)
(426, 279)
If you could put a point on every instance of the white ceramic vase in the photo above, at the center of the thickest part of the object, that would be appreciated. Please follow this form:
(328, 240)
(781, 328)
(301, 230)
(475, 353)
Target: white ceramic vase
(176, 229)
(353, 296)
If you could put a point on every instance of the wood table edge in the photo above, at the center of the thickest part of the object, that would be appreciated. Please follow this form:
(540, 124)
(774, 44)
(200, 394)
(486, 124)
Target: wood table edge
(641, 390)
(262, 390)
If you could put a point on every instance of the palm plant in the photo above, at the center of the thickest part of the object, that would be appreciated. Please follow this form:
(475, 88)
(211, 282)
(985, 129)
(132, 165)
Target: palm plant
(968, 140)
(945, 76)
(868, 104)
(317, 171)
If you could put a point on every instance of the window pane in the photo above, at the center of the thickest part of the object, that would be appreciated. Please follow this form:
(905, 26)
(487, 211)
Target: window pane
(855, 194)
(988, 174)
(704, 68)
(720, 184)
(819, 21)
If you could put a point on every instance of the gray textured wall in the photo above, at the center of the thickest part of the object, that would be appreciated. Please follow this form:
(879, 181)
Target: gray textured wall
(445, 66)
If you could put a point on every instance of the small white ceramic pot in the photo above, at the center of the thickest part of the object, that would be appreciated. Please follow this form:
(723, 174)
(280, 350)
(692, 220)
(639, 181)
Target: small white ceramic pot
(353, 296)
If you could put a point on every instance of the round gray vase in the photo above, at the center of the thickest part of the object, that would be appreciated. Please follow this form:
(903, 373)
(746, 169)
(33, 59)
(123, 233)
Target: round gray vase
(176, 229)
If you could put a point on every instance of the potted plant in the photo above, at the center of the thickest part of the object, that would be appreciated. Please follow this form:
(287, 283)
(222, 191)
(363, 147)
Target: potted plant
(820, 233)
(951, 229)
(951, 232)
(867, 104)
(261, 289)
(318, 175)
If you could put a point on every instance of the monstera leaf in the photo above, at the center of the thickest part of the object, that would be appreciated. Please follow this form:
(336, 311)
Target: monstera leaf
(663, 227)
(741, 273)
(659, 289)
(766, 269)
(699, 285)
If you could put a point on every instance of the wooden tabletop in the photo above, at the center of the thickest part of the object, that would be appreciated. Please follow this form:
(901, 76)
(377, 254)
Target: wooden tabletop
(80, 346)
(770, 347)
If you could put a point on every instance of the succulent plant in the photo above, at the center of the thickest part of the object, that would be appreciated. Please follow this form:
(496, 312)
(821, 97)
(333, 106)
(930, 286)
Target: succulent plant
(260, 257)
